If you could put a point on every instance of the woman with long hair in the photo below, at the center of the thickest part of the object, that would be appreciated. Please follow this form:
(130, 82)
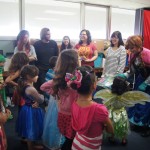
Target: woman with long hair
(65, 43)
(23, 45)
(115, 56)
(86, 49)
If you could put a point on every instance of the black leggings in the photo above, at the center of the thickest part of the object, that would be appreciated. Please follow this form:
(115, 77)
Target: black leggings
(67, 144)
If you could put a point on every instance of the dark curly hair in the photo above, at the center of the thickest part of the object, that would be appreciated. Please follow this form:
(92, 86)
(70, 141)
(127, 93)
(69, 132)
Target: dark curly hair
(27, 71)
(89, 39)
(88, 79)
(120, 86)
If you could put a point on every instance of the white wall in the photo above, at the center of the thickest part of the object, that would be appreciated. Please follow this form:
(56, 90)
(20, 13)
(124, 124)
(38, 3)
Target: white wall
(7, 46)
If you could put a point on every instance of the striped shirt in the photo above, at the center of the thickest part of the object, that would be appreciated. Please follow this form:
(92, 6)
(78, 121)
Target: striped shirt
(82, 142)
(88, 122)
(115, 61)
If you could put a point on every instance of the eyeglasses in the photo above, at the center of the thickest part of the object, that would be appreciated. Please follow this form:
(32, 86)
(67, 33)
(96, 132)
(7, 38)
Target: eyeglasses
(114, 38)
(82, 34)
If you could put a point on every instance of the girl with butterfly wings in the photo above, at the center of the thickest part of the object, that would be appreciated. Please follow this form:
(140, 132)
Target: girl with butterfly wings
(116, 100)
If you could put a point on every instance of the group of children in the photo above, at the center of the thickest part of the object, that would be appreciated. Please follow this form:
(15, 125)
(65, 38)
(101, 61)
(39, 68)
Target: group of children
(72, 120)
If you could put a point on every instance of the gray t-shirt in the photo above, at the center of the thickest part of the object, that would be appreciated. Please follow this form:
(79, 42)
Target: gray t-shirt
(31, 53)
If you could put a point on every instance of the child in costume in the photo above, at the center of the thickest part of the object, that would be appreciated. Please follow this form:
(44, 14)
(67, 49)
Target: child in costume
(89, 119)
(51, 137)
(2, 84)
(67, 62)
(31, 116)
(4, 113)
(17, 62)
(116, 100)
(50, 73)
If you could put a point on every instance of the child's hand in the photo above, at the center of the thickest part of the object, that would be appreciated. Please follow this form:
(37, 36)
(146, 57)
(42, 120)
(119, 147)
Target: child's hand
(8, 112)
(35, 105)
(2, 85)
(3, 117)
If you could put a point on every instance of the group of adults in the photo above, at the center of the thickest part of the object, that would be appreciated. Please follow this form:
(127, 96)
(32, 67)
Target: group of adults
(116, 57)
(42, 50)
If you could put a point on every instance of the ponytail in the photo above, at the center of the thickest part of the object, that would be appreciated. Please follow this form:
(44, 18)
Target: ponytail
(21, 85)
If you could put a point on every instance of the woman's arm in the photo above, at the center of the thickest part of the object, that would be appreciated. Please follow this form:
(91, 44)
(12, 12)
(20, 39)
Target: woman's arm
(93, 58)
(122, 61)
(33, 56)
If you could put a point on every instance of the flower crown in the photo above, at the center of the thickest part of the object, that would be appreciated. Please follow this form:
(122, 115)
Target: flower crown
(76, 78)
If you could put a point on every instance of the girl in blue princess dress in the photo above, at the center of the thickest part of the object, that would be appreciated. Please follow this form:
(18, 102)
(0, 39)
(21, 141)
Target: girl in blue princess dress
(52, 138)
(30, 117)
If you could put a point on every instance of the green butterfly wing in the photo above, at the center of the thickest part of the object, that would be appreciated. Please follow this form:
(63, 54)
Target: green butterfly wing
(131, 98)
(106, 96)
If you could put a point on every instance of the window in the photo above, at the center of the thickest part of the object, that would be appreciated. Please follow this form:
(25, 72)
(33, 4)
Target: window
(9, 16)
(62, 18)
(123, 20)
(95, 21)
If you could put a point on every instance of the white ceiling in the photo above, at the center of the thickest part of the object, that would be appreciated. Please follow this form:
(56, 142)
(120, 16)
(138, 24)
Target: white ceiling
(128, 4)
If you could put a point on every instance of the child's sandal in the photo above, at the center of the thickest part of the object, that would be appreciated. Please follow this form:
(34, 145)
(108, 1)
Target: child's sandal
(124, 142)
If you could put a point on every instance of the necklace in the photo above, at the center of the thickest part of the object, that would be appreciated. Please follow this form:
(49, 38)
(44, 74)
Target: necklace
(87, 100)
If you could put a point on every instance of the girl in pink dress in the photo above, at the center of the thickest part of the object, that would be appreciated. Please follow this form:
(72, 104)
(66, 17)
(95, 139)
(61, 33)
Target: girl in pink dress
(67, 62)
(89, 119)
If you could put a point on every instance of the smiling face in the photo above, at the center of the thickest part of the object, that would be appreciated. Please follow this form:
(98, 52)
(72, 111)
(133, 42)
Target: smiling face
(115, 41)
(66, 41)
(83, 36)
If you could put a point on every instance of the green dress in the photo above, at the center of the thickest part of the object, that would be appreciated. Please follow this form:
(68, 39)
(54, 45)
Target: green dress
(2, 91)
(117, 104)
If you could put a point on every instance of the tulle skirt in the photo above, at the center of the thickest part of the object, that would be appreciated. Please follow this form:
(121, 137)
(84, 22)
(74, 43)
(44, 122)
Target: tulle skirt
(140, 114)
(30, 123)
(51, 137)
